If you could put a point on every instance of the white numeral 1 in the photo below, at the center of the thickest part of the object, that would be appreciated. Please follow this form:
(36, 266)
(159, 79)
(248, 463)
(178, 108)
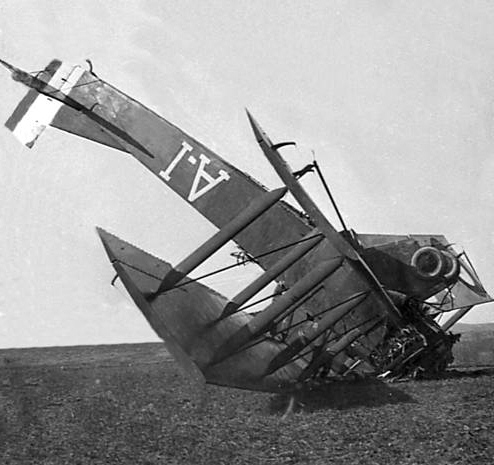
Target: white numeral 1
(186, 148)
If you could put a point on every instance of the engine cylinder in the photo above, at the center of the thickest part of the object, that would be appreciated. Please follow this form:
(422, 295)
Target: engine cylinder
(432, 263)
(428, 262)
(451, 266)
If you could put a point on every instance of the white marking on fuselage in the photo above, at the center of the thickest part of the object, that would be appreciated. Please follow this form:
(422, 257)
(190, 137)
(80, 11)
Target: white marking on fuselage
(196, 193)
(185, 149)
(200, 175)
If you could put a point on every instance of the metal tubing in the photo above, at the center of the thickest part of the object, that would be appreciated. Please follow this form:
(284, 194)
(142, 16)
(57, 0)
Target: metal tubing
(459, 314)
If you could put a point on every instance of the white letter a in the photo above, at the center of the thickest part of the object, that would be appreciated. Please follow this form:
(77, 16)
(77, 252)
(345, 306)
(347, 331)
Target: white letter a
(195, 193)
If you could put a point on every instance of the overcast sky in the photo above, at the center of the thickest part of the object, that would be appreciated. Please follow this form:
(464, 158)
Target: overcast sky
(396, 98)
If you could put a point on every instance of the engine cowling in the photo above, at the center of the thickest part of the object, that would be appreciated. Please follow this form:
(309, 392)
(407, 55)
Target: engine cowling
(432, 263)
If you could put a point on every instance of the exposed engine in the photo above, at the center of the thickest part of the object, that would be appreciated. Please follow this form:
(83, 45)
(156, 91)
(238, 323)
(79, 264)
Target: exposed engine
(419, 349)
(432, 263)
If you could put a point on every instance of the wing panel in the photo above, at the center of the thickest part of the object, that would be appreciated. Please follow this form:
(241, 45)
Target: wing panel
(185, 318)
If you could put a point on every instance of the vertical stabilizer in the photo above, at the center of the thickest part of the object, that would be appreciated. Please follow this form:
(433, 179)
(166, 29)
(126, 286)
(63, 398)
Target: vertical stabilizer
(36, 111)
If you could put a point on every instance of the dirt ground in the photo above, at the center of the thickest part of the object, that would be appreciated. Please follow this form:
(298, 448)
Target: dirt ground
(130, 404)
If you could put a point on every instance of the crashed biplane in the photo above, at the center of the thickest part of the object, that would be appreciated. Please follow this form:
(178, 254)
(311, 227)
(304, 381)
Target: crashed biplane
(346, 304)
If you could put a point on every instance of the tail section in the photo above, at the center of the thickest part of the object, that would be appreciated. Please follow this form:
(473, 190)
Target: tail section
(37, 110)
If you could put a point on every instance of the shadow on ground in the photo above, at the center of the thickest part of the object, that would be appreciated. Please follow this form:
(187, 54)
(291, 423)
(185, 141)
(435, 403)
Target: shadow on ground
(470, 372)
(343, 395)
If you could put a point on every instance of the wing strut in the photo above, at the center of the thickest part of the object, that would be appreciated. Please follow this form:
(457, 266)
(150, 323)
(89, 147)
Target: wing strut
(256, 208)
(459, 314)
(263, 320)
(328, 356)
(309, 242)
(318, 330)
(331, 198)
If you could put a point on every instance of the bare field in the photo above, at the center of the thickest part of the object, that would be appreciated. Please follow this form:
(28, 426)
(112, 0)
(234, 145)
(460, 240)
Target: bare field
(130, 404)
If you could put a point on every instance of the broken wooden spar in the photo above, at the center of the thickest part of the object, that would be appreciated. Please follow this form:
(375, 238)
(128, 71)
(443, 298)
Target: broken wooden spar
(263, 320)
(255, 209)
